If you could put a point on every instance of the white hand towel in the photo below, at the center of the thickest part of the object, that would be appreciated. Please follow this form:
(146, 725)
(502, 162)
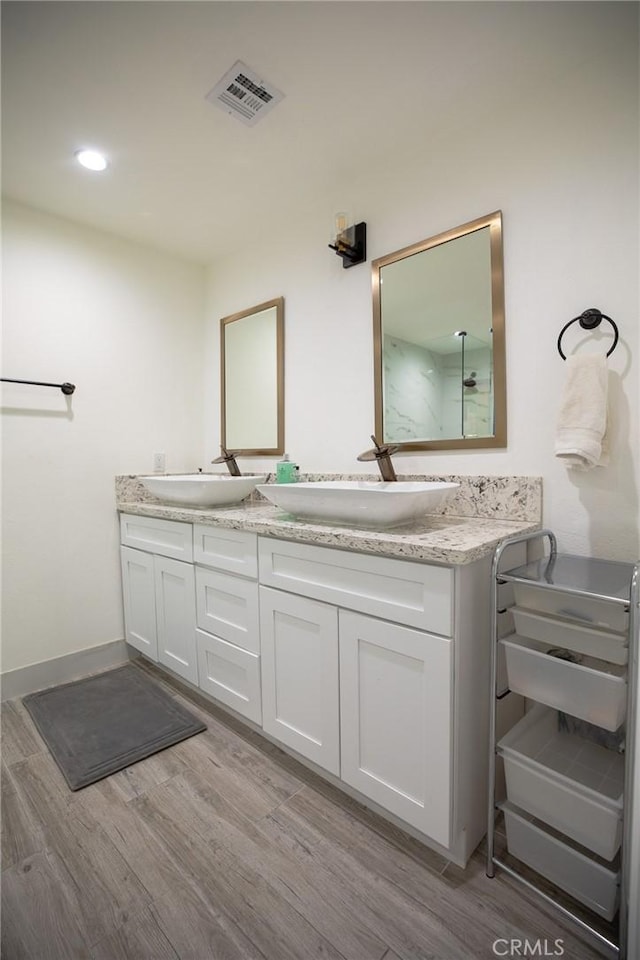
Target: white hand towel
(581, 440)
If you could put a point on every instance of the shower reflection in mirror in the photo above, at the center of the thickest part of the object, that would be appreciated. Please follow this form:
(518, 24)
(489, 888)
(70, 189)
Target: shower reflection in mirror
(439, 340)
(451, 383)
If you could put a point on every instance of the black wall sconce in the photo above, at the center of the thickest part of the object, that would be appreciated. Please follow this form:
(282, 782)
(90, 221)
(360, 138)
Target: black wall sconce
(350, 242)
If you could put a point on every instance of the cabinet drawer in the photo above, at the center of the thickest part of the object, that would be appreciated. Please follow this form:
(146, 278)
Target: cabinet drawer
(230, 675)
(169, 538)
(233, 551)
(228, 607)
(419, 595)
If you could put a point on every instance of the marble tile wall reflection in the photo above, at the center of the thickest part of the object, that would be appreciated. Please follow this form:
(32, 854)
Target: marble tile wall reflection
(412, 391)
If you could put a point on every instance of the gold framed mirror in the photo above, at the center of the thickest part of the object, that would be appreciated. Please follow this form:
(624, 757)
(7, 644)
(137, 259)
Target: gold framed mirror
(252, 380)
(439, 341)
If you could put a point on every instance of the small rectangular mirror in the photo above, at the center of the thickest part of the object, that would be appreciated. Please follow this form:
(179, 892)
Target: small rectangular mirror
(439, 347)
(252, 380)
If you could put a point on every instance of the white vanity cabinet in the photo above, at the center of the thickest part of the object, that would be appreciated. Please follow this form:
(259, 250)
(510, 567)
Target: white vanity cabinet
(158, 589)
(368, 700)
(373, 668)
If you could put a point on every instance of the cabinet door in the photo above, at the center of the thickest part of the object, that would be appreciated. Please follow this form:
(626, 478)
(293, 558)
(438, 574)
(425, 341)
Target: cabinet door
(300, 701)
(395, 713)
(175, 615)
(138, 593)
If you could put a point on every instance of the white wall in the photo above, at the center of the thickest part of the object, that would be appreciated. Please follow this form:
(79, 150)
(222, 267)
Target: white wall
(562, 165)
(124, 324)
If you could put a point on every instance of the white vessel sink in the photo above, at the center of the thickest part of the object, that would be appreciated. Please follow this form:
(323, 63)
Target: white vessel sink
(359, 502)
(201, 489)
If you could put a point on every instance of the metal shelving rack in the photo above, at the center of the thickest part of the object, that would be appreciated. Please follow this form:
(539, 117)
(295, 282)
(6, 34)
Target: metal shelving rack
(585, 577)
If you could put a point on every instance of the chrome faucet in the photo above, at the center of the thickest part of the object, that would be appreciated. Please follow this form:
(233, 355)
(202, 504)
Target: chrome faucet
(230, 459)
(382, 455)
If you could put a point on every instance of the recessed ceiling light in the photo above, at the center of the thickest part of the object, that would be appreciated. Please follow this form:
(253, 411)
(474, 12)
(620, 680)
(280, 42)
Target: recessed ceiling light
(92, 160)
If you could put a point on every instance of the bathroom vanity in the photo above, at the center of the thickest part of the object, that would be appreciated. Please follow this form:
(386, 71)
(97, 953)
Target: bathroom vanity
(365, 654)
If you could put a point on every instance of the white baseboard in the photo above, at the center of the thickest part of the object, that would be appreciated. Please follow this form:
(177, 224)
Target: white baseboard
(72, 666)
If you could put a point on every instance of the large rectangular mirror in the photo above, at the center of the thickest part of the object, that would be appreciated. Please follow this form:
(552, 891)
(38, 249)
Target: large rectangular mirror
(439, 347)
(252, 380)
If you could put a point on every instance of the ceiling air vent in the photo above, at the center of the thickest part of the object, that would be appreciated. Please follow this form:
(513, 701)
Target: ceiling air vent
(244, 94)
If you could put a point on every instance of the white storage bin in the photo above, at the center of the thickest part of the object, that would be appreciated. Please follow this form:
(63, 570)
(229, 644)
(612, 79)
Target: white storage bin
(559, 632)
(597, 613)
(571, 783)
(593, 884)
(592, 689)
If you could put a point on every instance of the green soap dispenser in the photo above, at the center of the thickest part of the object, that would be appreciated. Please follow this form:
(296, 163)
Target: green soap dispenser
(286, 470)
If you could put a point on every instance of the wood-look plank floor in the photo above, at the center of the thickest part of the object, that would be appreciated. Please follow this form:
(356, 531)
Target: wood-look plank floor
(225, 848)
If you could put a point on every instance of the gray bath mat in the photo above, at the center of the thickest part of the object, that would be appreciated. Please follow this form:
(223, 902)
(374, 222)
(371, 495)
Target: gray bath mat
(96, 726)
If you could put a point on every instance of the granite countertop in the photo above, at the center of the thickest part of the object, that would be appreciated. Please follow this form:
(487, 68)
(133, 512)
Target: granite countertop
(444, 538)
